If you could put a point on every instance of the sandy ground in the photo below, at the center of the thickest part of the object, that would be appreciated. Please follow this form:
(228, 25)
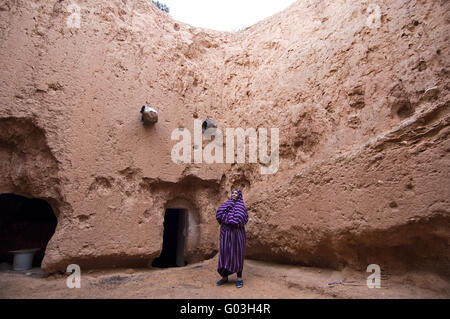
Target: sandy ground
(261, 280)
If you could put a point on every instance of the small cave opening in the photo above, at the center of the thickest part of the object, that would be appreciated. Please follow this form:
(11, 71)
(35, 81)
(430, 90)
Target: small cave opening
(25, 223)
(174, 239)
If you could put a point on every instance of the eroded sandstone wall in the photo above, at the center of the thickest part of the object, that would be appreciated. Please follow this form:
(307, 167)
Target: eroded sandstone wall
(359, 93)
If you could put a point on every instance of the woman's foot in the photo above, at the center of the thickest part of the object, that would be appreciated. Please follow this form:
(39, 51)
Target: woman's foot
(239, 283)
(222, 281)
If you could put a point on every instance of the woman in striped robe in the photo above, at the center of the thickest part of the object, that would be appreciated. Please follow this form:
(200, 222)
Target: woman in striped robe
(232, 217)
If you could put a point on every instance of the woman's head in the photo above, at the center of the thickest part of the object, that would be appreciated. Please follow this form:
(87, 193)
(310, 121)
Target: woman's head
(236, 194)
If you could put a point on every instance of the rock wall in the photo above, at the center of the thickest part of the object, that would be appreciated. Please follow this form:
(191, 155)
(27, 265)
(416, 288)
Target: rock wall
(358, 90)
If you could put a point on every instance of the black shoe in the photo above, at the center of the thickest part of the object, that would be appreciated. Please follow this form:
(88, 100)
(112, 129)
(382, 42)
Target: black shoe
(221, 282)
(239, 284)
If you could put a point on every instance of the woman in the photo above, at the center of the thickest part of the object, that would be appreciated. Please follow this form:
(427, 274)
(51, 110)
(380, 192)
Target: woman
(232, 216)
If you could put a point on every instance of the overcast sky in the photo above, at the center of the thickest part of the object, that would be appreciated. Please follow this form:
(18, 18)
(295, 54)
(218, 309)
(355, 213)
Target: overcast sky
(224, 15)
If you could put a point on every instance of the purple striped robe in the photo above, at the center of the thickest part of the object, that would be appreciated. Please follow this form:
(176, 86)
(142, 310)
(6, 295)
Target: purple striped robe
(232, 216)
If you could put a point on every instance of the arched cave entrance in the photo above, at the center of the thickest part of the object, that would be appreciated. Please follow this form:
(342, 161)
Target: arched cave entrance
(25, 223)
(174, 239)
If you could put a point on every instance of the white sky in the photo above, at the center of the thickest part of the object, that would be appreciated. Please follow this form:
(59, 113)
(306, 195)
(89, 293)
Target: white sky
(224, 15)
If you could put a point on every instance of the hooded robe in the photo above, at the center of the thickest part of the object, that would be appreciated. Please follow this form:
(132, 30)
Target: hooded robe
(232, 217)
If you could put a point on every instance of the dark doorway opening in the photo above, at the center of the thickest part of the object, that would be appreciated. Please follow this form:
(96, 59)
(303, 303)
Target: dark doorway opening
(172, 254)
(25, 223)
